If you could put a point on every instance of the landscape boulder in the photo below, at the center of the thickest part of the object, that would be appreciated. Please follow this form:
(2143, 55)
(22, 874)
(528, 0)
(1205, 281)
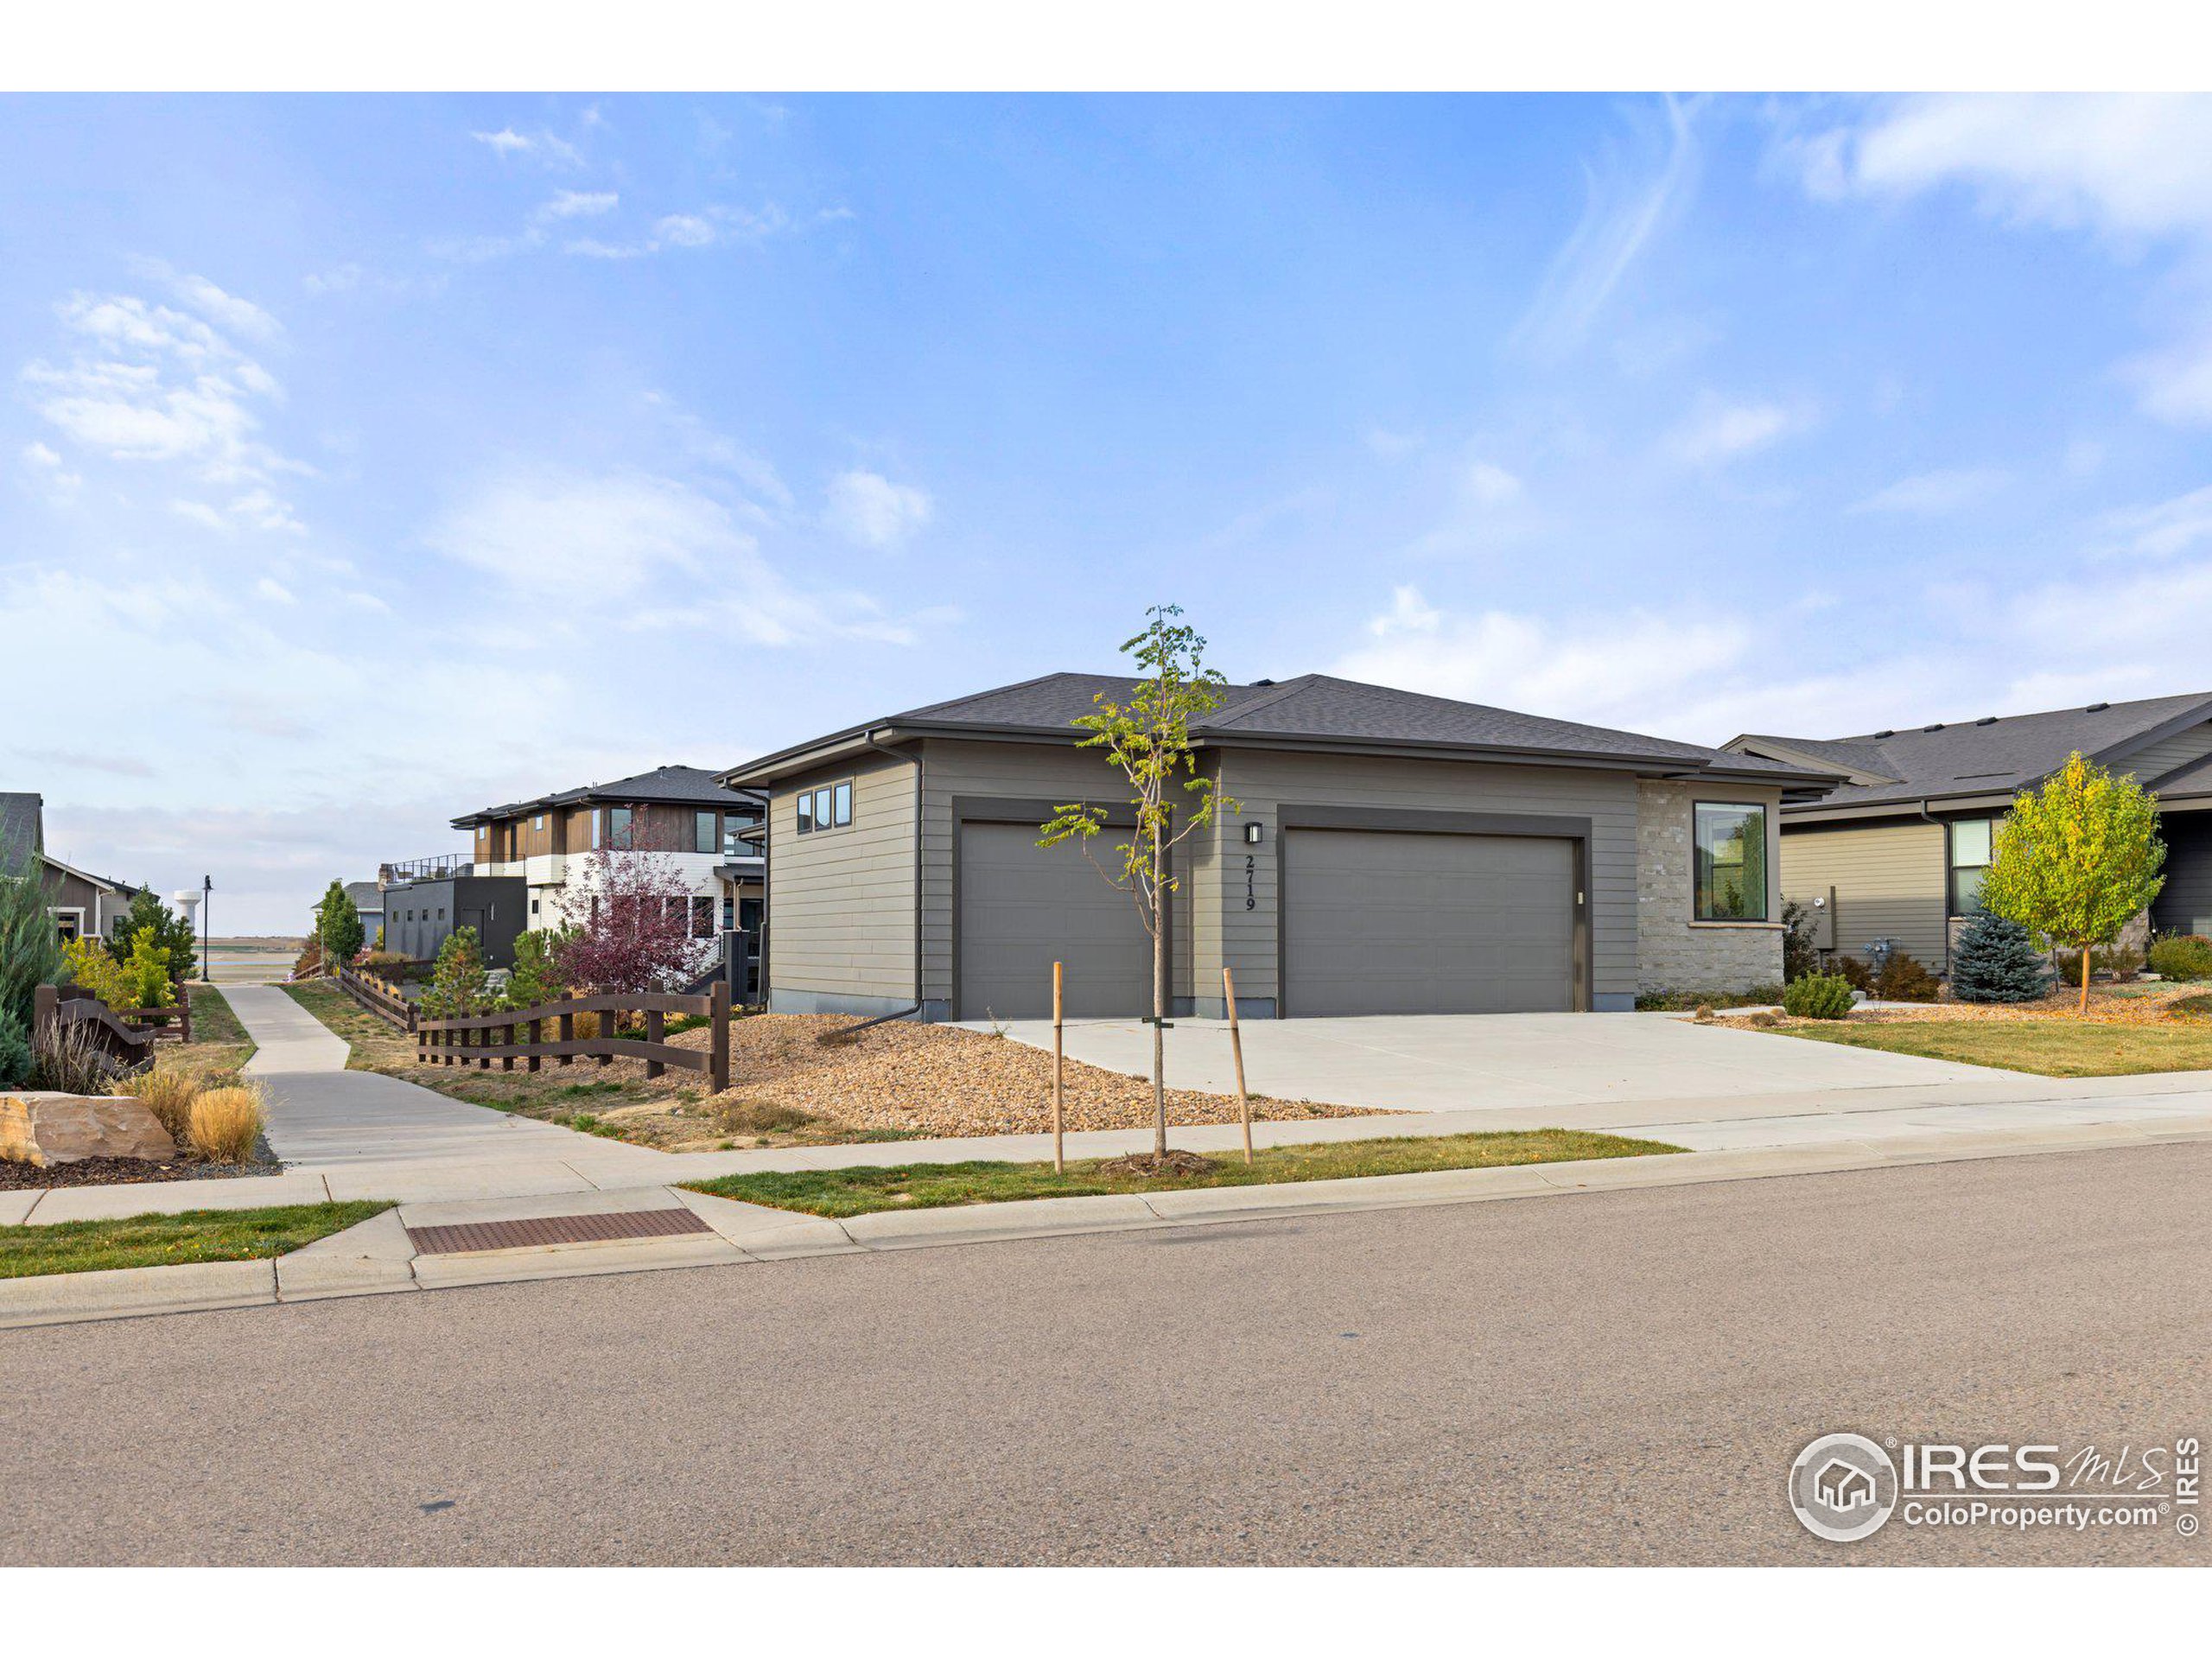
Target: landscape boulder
(39, 1128)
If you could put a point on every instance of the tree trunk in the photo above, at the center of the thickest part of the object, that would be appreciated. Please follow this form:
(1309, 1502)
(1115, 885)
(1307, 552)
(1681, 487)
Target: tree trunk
(2084, 1007)
(1158, 1002)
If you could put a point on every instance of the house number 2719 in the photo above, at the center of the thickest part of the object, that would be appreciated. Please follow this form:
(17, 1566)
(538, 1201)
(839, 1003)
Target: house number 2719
(1251, 863)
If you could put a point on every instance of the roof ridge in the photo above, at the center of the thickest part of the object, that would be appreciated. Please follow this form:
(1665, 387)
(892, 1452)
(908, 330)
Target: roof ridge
(1230, 713)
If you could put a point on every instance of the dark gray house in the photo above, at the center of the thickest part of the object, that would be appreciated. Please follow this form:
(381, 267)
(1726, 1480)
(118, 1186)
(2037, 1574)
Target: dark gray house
(1896, 850)
(420, 915)
(1392, 854)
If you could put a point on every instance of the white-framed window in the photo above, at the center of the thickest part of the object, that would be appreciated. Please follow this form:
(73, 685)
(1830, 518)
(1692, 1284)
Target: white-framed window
(70, 924)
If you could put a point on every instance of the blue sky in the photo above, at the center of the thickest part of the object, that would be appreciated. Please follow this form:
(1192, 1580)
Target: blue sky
(368, 459)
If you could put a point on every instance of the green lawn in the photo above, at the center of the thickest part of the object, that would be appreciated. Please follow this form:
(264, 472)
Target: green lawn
(164, 1241)
(927, 1186)
(2056, 1047)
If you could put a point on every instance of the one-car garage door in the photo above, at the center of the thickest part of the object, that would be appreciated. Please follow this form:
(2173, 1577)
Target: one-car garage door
(1023, 908)
(1377, 923)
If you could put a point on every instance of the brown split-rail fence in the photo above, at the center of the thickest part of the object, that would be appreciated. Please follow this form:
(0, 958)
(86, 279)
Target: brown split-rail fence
(53, 1010)
(479, 1038)
(380, 996)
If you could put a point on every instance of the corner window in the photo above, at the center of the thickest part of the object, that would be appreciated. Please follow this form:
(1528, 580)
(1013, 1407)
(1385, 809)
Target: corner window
(1970, 843)
(1730, 855)
(806, 815)
(705, 831)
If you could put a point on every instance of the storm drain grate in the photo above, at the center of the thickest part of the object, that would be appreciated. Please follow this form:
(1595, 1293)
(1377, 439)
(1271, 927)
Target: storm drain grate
(554, 1229)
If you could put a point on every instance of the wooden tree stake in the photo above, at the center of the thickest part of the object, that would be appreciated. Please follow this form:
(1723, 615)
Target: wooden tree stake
(1236, 1048)
(1059, 1158)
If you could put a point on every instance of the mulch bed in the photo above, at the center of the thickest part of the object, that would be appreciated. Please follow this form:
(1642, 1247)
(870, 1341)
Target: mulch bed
(122, 1172)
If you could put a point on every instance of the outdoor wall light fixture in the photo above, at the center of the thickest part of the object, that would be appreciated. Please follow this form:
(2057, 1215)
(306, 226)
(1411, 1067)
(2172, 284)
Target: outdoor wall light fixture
(1252, 835)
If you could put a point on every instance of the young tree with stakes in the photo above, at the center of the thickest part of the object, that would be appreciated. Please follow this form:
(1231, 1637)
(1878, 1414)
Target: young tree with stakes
(2075, 861)
(1148, 740)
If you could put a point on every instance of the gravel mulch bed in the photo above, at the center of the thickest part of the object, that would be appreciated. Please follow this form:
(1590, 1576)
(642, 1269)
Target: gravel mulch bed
(939, 1080)
(123, 1172)
(2138, 1003)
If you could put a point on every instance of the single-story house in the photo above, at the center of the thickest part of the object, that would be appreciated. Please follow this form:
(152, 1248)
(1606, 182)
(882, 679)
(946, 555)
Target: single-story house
(1896, 851)
(368, 900)
(84, 906)
(1389, 853)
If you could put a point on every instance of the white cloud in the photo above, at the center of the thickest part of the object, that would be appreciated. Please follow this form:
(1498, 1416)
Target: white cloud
(869, 509)
(580, 204)
(1388, 445)
(1628, 202)
(1717, 431)
(2131, 169)
(1945, 490)
(269, 589)
(1609, 671)
(2162, 530)
(39, 455)
(541, 145)
(1491, 486)
(227, 311)
(506, 142)
(683, 231)
(590, 247)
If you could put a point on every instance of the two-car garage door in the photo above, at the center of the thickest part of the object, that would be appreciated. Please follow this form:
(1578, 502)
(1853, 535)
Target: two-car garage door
(1372, 922)
(1390, 923)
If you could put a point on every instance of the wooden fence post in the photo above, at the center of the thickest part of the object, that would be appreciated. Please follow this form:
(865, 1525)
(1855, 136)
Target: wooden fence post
(507, 1061)
(536, 1036)
(655, 1027)
(1236, 1048)
(718, 1011)
(568, 1029)
(1059, 1116)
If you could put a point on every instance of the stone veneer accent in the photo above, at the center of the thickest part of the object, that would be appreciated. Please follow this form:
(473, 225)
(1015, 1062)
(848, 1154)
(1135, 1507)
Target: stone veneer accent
(1671, 954)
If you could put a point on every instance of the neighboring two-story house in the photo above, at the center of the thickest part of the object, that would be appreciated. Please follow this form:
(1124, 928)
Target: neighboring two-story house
(1897, 850)
(708, 832)
(1390, 853)
(84, 906)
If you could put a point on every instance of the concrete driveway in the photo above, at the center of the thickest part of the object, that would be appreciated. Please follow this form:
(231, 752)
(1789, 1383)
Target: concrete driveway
(1443, 1063)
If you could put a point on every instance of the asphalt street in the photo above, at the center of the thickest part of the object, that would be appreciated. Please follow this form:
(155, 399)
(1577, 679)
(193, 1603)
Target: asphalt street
(1611, 1377)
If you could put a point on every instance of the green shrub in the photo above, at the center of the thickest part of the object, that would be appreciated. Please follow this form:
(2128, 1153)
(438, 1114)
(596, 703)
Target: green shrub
(1904, 980)
(17, 1060)
(30, 949)
(1818, 997)
(461, 984)
(2115, 961)
(537, 978)
(2181, 955)
(1800, 957)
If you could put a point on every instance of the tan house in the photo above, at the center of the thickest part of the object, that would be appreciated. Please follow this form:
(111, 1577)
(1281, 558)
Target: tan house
(1897, 850)
(1391, 854)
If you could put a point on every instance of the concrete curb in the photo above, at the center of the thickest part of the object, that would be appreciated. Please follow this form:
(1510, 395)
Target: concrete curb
(376, 1256)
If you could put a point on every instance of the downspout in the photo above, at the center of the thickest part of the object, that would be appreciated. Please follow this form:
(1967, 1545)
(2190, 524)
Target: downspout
(915, 761)
(1943, 904)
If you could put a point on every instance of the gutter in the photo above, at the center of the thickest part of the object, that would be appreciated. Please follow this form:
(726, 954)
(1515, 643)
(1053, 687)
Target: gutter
(1944, 903)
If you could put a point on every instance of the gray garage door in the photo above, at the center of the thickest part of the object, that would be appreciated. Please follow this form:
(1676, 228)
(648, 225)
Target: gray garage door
(1415, 923)
(1023, 908)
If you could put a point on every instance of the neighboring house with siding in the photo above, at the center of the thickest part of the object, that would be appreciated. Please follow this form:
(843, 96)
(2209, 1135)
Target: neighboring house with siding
(1392, 854)
(1897, 850)
(82, 905)
(708, 832)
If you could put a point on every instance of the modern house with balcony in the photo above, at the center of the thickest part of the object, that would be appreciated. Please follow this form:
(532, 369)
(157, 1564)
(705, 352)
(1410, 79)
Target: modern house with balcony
(710, 833)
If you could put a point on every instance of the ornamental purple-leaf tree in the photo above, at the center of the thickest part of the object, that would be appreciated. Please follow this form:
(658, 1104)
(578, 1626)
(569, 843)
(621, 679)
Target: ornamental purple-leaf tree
(1148, 740)
(628, 922)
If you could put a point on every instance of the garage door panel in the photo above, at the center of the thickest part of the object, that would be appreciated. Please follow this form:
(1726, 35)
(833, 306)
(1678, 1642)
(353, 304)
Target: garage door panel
(1023, 908)
(1383, 923)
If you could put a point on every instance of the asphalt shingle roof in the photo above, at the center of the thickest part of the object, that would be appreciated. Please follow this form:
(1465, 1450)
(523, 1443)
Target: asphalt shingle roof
(19, 827)
(1987, 756)
(1318, 708)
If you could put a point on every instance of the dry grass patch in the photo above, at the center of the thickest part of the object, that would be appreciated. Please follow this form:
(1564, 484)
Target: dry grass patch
(225, 1124)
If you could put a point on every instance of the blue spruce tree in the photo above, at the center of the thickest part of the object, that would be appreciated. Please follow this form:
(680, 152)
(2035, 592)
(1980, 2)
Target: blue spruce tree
(1996, 961)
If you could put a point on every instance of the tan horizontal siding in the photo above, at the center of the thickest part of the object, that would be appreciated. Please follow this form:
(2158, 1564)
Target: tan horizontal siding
(1889, 881)
(841, 902)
